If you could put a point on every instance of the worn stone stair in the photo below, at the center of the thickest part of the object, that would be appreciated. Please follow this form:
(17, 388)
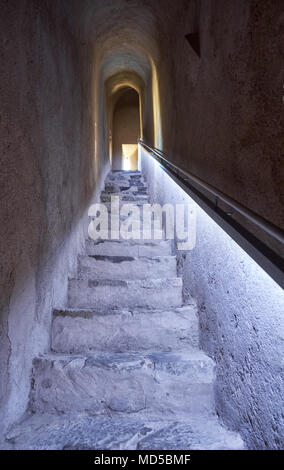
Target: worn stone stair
(121, 432)
(127, 267)
(125, 370)
(134, 248)
(124, 330)
(150, 293)
(158, 382)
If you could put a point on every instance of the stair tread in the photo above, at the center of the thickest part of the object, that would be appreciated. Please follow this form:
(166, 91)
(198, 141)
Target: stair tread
(126, 192)
(150, 283)
(125, 358)
(109, 292)
(126, 267)
(87, 432)
(91, 312)
(120, 186)
(116, 258)
(129, 242)
(124, 330)
(130, 247)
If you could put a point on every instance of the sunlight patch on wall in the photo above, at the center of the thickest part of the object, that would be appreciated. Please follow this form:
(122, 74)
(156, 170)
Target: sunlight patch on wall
(158, 139)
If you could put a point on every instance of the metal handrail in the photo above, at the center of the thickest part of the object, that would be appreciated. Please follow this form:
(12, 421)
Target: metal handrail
(257, 219)
(262, 253)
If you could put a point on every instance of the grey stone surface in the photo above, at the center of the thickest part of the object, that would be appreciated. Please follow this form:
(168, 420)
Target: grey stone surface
(131, 177)
(116, 187)
(83, 432)
(199, 434)
(164, 383)
(152, 293)
(125, 330)
(132, 248)
(126, 267)
(130, 197)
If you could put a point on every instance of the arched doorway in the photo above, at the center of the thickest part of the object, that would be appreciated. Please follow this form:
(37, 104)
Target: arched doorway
(126, 130)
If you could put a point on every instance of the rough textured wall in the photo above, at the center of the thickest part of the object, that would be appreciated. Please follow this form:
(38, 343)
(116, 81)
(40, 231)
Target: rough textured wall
(223, 111)
(47, 180)
(126, 126)
(222, 118)
(241, 322)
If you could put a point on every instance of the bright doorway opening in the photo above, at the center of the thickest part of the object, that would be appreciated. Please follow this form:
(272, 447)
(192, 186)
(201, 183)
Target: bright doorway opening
(126, 130)
(129, 156)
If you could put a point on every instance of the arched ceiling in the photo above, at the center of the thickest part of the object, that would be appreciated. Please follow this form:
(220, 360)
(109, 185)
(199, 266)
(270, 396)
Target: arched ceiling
(126, 33)
(130, 40)
(123, 80)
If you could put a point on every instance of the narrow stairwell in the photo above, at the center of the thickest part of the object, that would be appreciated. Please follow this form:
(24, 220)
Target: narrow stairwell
(125, 370)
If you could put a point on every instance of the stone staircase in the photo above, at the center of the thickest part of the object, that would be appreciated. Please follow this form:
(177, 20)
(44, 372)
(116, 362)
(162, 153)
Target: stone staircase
(125, 370)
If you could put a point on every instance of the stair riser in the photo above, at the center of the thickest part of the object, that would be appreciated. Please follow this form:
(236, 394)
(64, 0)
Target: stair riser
(134, 216)
(120, 294)
(124, 173)
(125, 198)
(123, 332)
(126, 190)
(123, 188)
(112, 248)
(131, 268)
(121, 185)
(123, 234)
(68, 385)
(122, 179)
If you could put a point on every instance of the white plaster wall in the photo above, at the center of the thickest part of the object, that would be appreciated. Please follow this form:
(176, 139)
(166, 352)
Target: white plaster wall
(241, 321)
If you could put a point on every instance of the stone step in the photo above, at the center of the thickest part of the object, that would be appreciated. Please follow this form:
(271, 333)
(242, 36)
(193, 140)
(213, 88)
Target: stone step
(122, 181)
(134, 248)
(125, 188)
(126, 210)
(128, 192)
(130, 224)
(162, 383)
(125, 197)
(126, 233)
(126, 180)
(126, 267)
(122, 204)
(117, 432)
(82, 331)
(114, 175)
(197, 433)
(127, 213)
(124, 172)
(109, 293)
